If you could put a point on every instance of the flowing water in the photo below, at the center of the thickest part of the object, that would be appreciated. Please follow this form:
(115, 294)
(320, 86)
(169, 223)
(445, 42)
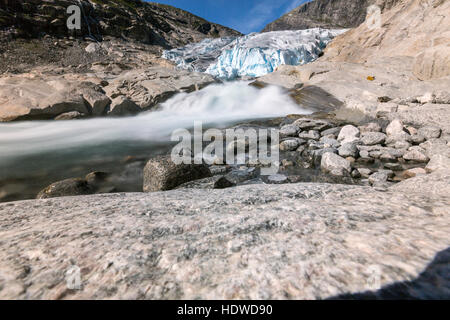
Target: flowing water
(34, 154)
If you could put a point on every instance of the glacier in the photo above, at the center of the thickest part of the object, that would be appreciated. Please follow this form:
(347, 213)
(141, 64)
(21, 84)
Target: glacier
(252, 55)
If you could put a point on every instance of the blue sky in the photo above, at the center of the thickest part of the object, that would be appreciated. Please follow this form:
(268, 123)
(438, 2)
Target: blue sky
(243, 15)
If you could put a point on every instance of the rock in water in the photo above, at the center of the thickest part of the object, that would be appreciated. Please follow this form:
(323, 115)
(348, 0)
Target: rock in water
(69, 187)
(161, 174)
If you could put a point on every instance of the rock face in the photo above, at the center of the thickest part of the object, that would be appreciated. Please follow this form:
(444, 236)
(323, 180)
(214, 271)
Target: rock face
(31, 96)
(250, 242)
(145, 22)
(413, 28)
(326, 14)
(162, 174)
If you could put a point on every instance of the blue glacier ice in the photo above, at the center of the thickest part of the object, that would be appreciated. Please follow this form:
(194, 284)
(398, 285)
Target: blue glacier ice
(253, 55)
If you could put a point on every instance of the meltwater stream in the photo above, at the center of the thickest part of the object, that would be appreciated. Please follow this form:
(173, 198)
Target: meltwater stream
(37, 153)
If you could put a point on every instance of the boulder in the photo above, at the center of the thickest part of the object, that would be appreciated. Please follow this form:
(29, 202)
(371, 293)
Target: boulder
(348, 134)
(373, 138)
(289, 130)
(335, 164)
(161, 174)
(378, 178)
(290, 144)
(223, 183)
(395, 128)
(68, 187)
(348, 150)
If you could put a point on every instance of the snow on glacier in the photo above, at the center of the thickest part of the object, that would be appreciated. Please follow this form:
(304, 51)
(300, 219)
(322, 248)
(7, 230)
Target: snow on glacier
(253, 55)
(198, 56)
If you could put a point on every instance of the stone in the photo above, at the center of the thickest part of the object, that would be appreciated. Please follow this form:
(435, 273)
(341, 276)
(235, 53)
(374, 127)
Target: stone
(417, 139)
(348, 134)
(370, 127)
(356, 174)
(329, 142)
(312, 124)
(289, 130)
(70, 116)
(416, 154)
(64, 188)
(378, 177)
(395, 128)
(122, 106)
(348, 150)
(277, 179)
(428, 97)
(332, 162)
(430, 132)
(290, 144)
(364, 172)
(402, 144)
(161, 174)
(332, 131)
(311, 134)
(372, 138)
(411, 173)
(223, 183)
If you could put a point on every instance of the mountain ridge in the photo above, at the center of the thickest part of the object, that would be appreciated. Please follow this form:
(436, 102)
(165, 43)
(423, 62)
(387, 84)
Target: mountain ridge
(145, 22)
(327, 14)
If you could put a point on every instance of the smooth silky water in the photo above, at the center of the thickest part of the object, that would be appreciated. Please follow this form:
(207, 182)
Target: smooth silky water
(34, 154)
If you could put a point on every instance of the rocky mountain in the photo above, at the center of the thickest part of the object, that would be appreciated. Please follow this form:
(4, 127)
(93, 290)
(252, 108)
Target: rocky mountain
(416, 30)
(145, 22)
(327, 14)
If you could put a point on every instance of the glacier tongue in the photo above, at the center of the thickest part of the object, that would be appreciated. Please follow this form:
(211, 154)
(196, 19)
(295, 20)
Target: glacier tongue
(253, 55)
(198, 56)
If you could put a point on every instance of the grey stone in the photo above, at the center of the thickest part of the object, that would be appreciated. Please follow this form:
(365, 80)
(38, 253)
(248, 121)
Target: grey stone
(378, 177)
(329, 143)
(289, 130)
(430, 132)
(277, 179)
(364, 172)
(332, 131)
(223, 183)
(348, 150)
(332, 162)
(290, 145)
(311, 134)
(395, 128)
(373, 138)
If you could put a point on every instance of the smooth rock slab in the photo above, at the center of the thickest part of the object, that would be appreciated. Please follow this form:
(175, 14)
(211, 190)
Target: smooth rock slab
(252, 242)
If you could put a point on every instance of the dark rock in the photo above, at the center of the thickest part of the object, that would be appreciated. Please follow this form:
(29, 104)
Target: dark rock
(223, 183)
(69, 187)
(161, 174)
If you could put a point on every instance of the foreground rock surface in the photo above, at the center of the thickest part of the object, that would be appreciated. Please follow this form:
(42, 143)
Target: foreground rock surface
(300, 241)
